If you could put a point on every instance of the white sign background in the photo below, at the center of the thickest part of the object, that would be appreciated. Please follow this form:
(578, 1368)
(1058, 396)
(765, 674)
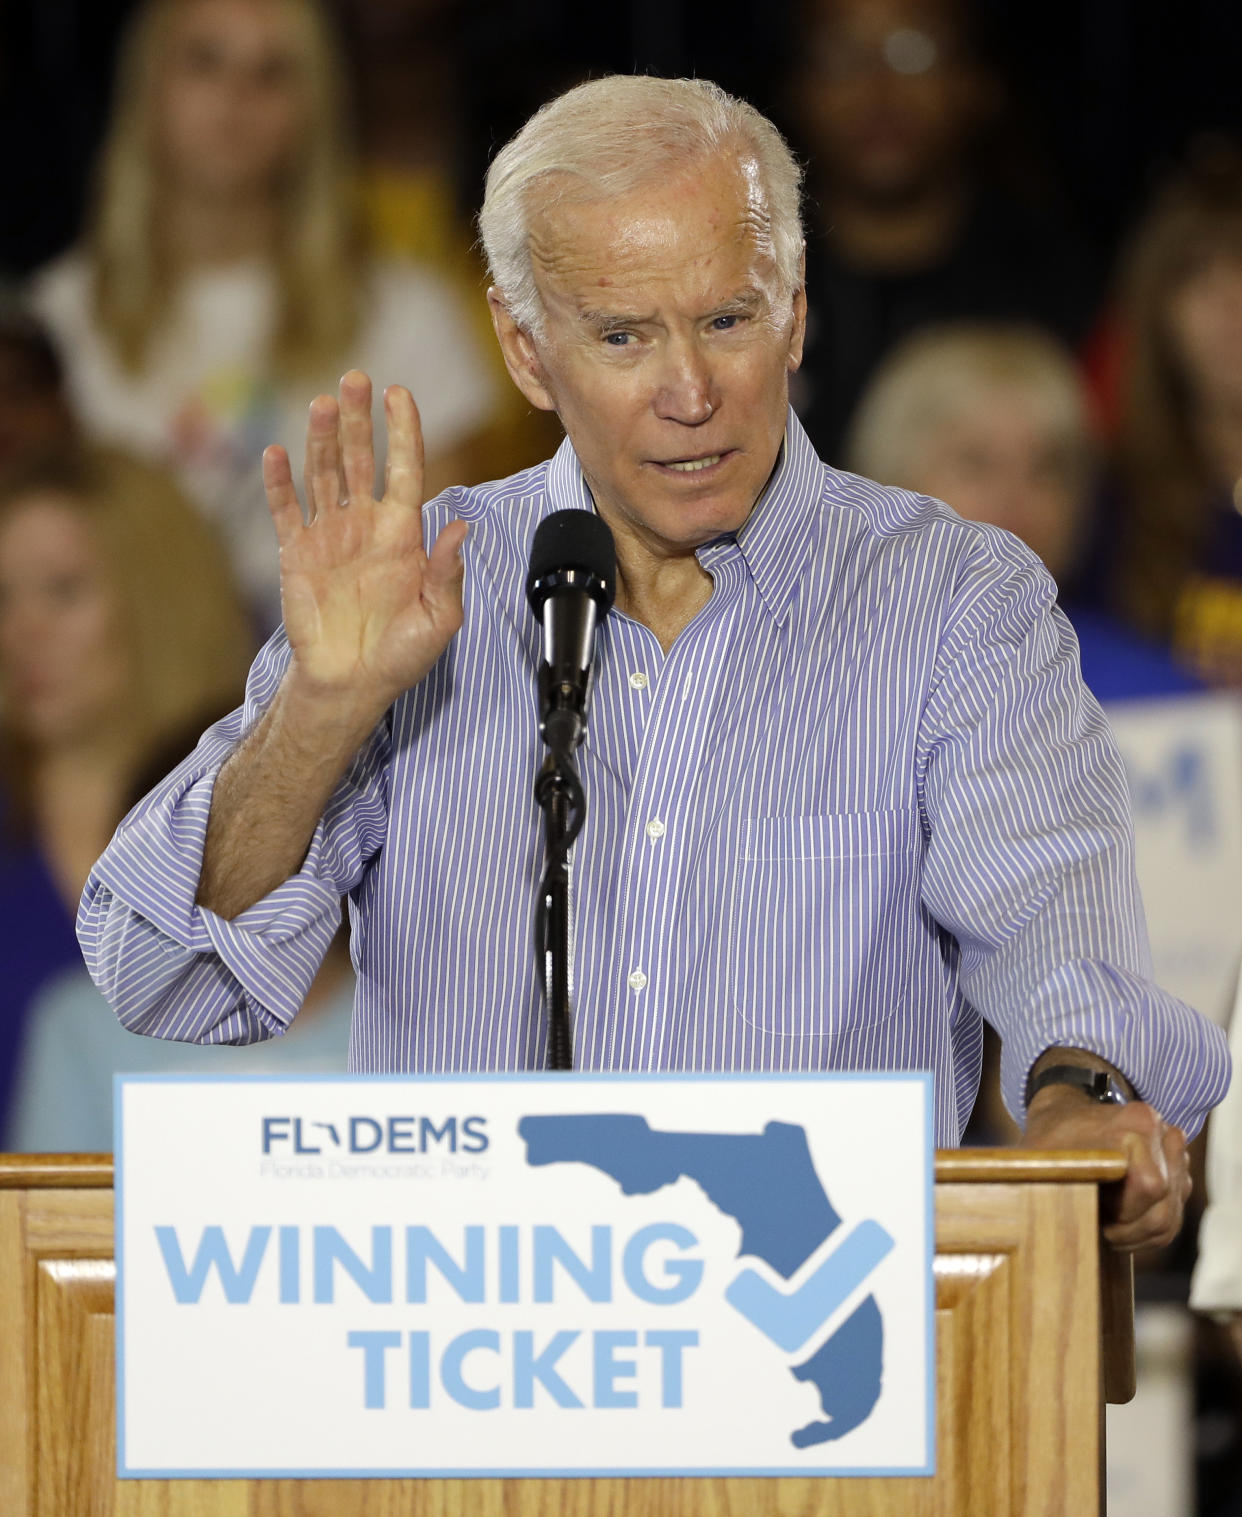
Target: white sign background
(1183, 758)
(215, 1388)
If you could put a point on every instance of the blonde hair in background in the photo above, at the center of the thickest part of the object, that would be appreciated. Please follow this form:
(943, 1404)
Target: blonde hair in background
(936, 376)
(188, 634)
(1196, 217)
(609, 137)
(318, 238)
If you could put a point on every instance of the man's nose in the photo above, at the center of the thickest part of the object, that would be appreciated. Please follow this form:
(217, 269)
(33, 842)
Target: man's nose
(687, 393)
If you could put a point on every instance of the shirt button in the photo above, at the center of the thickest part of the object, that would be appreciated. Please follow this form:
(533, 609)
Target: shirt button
(655, 829)
(637, 979)
(638, 680)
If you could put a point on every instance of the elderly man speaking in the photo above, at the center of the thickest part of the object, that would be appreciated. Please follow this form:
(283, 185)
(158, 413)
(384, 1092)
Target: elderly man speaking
(848, 792)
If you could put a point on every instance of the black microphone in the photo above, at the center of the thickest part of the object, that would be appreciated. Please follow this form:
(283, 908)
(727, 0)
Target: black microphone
(571, 586)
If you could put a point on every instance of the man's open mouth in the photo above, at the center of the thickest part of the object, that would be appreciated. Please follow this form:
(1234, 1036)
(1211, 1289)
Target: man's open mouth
(693, 465)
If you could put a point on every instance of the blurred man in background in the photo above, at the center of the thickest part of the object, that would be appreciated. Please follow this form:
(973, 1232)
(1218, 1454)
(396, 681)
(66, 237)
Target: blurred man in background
(894, 101)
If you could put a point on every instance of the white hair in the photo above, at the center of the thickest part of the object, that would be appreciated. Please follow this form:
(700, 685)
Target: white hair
(614, 135)
(937, 376)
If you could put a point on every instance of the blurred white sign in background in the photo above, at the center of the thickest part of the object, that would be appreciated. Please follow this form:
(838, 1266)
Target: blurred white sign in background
(1183, 758)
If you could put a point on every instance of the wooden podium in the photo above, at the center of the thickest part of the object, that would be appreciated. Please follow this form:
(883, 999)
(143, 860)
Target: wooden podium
(1034, 1329)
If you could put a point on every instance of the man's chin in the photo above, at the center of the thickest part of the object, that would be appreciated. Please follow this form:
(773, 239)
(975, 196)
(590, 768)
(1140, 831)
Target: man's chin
(678, 513)
(693, 525)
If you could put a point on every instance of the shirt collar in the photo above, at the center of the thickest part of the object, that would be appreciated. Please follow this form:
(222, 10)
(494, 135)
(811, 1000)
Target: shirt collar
(772, 542)
(775, 537)
(567, 488)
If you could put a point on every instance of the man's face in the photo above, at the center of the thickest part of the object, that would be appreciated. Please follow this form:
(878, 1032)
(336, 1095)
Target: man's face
(887, 97)
(667, 349)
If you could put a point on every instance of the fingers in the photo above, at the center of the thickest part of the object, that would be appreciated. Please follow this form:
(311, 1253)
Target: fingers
(1147, 1175)
(282, 498)
(323, 456)
(340, 451)
(1155, 1190)
(403, 477)
(1146, 1208)
(357, 447)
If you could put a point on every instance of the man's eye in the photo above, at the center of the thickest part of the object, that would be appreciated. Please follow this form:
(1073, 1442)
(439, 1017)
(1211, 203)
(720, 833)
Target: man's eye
(725, 323)
(618, 339)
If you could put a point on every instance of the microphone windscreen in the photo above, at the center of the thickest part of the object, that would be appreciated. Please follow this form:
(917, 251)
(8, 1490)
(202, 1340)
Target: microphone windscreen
(577, 544)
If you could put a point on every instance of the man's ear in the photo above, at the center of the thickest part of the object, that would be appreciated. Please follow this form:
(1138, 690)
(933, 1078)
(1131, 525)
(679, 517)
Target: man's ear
(520, 355)
(798, 335)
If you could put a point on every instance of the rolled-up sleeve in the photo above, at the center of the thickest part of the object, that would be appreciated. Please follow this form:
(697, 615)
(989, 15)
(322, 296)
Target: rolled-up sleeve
(1030, 860)
(169, 967)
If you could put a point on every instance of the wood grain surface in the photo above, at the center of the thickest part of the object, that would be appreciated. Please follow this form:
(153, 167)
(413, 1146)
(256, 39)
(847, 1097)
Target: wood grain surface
(1020, 1281)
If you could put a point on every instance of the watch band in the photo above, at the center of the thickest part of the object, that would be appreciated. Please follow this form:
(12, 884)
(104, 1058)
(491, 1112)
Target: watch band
(1096, 1083)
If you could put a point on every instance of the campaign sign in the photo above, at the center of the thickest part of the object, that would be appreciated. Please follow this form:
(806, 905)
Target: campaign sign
(525, 1275)
(1183, 757)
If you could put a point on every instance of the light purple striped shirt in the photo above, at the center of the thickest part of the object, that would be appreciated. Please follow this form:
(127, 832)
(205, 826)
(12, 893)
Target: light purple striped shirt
(863, 800)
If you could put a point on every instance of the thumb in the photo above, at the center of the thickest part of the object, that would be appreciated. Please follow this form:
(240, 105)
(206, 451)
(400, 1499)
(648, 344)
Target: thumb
(444, 562)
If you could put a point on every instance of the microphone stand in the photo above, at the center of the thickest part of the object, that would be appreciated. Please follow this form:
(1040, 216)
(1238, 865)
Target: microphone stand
(558, 791)
(570, 587)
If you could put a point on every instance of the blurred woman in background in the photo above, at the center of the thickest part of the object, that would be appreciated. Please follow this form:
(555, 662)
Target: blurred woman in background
(119, 626)
(1178, 534)
(223, 281)
(993, 419)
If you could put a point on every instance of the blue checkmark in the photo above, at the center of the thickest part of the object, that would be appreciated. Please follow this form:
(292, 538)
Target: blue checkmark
(790, 1319)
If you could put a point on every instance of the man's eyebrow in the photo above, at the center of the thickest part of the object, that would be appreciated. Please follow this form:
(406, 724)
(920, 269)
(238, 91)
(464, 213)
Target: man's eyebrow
(743, 302)
(607, 321)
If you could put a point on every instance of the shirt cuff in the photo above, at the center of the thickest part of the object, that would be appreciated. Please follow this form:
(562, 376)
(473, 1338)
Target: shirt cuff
(1176, 1060)
(273, 948)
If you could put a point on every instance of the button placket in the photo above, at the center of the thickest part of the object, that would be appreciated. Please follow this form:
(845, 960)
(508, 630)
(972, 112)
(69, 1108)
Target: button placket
(660, 787)
(657, 787)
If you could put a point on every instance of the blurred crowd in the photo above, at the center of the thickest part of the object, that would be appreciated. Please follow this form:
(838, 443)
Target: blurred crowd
(279, 190)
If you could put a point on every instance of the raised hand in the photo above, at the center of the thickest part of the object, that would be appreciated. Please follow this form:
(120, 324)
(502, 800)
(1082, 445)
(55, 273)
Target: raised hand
(367, 609)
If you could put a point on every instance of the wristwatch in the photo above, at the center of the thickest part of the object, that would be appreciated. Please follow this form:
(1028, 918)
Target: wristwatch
(1096, 1083)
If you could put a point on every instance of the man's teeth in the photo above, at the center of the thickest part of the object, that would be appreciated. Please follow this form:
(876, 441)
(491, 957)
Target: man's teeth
(693, 464)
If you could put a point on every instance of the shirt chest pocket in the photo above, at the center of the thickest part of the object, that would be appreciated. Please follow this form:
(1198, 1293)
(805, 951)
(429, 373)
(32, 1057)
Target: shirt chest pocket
(825, 920)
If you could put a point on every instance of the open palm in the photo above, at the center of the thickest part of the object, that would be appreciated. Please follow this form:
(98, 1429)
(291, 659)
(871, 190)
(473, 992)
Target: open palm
(367, 609)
